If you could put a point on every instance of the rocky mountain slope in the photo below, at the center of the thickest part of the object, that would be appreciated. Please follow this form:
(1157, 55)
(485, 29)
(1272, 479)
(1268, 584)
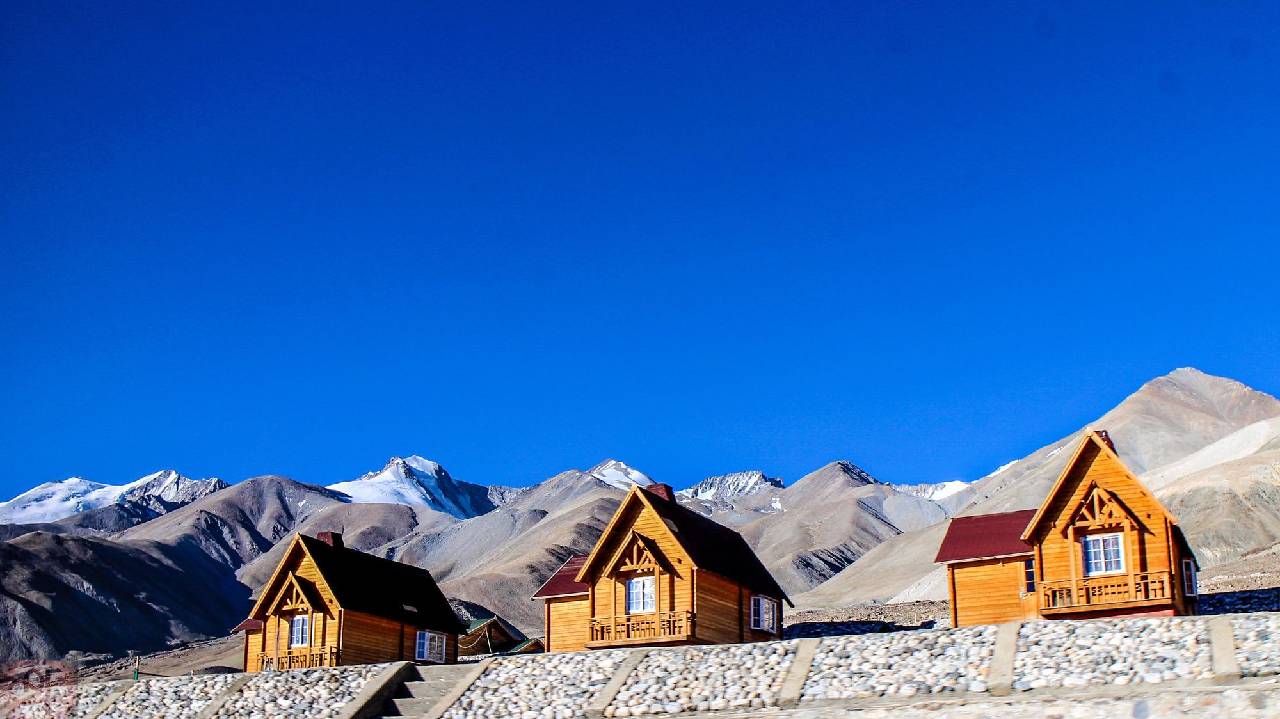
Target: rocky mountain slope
(1168, 432)
(829, 518)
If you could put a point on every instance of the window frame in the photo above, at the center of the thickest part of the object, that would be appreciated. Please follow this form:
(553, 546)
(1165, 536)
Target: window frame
(759, 603)
(430, 646)
(646, 582)
(1101, 538)
(303, 621)
(1029, 576)
(1190, 583)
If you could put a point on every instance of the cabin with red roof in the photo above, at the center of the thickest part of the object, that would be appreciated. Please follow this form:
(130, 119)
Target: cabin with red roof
(1099, 545)
(328, 605)
(661, 574)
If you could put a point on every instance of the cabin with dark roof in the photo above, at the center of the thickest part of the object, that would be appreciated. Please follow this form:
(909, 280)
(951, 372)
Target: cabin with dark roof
(1099, 545)
(329, 605)
(661, 574)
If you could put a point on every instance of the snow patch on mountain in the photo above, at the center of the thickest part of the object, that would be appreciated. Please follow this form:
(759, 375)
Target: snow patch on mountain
(618, 474)
(937, 491)
(418, 481)
(161, 491)
(726, 487)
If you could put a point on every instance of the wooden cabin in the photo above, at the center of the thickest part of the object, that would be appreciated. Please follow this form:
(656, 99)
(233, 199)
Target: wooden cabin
(490, 635)
(1100, 545)
(329, 605)
(661, 574)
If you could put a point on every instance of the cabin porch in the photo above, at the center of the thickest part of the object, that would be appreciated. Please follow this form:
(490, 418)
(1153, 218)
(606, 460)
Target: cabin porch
(302, 658)
(1120, 591)
(657, 627)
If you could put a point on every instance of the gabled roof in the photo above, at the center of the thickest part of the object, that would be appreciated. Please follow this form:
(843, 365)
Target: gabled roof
(1102, 441)
(985, 536)
(383, 587)
(711, 546)
(361, 582)
(564, 582)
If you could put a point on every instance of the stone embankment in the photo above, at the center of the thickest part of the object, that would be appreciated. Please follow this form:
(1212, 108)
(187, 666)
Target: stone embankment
(1211, 666)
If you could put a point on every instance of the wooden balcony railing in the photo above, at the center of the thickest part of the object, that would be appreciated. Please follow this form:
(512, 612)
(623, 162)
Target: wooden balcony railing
(299, 659)
(1101, 591)
(667, 625)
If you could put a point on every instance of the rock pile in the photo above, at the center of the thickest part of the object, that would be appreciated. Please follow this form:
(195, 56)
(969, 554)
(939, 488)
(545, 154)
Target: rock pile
(901, 664)
(733, 676)
(176, 698)
(1257, 644)
(299, 693)
(540, 686)
(1116, 651)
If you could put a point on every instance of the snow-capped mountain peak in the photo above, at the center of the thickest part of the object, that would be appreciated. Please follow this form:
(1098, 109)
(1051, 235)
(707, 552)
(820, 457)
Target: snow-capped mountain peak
(618, 474)
(729, 486)
(51, 501)
(416, 480)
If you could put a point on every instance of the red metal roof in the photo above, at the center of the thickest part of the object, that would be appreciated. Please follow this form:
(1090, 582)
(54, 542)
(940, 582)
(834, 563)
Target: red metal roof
(564, 582)
(984, 536)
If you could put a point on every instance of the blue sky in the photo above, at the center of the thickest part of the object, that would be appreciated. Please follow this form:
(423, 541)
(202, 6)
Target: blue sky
(925, 237)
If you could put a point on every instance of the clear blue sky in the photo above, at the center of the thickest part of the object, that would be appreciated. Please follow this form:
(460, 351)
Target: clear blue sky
(927, 237)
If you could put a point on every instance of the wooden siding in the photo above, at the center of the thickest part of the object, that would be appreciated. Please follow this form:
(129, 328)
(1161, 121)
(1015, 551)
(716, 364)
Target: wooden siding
(1060, 547)
(567, 623)
(273, 639)
(354, 638)
(989, 592)
(674, 588)
(1096, 495)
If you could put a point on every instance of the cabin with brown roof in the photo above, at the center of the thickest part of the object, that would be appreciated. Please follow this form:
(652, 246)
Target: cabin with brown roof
(329, 605)
(661, 574)
(1099, 545)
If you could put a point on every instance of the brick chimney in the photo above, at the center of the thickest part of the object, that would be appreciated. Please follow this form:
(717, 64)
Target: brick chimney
(1106, 438)
(659, 489)
(333, 539)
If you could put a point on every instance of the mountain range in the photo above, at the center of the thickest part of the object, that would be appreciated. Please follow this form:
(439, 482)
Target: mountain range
(184, 556)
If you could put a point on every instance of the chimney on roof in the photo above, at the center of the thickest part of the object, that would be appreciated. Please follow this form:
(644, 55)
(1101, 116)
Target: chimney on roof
(1106, 438)
(333, 539)
(659, 489)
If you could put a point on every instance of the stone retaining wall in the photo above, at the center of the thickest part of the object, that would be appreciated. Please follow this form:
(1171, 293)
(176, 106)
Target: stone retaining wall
(1181, 661)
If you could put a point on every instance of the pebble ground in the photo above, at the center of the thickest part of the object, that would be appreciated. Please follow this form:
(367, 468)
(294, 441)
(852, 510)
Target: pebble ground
(1118, 651)
(901, 664)
(539, 686)
(732, 676)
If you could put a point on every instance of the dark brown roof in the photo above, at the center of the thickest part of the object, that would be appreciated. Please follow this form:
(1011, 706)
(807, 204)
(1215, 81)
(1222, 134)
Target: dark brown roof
(564, 583)
(985, 536)
(383, 587)
(717, 548)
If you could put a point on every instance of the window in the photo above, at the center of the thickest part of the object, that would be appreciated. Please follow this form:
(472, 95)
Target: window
(764, 614)
(300, 631)
(1103, 554)
(1029, 575)
(640, 597)
(1190, 586)
(430, 647)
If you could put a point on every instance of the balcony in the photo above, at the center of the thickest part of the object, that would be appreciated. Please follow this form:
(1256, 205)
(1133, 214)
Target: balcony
(641, 629)
(1103, 592)
(301, 658)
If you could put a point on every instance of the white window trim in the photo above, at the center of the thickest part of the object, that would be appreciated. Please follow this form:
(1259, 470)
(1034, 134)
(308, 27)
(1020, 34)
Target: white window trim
(1190, 585)
(430, 647)
(648, 600)
(1084, 552)
(305, 622)
(759, 616)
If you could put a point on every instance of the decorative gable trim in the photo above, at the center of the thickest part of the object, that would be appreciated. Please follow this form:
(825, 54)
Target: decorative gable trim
(262, 607)
(1101, 509)
(637, 553)
(294, 596)
(636, 494)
